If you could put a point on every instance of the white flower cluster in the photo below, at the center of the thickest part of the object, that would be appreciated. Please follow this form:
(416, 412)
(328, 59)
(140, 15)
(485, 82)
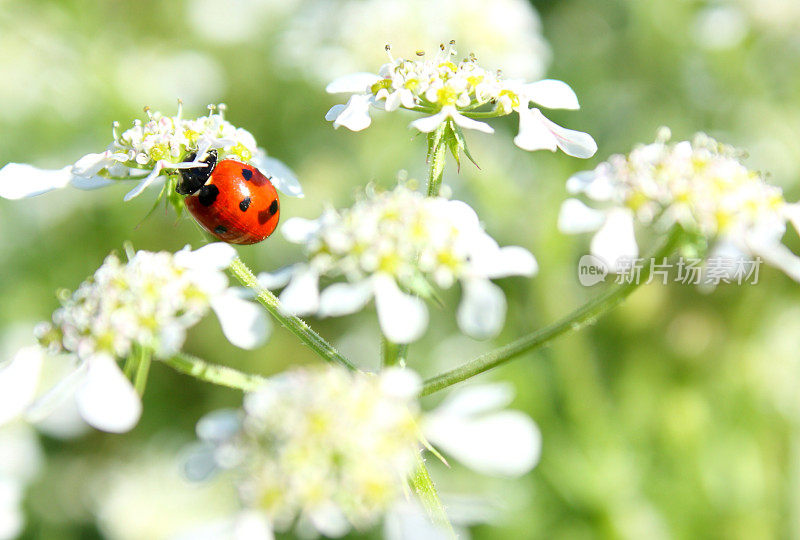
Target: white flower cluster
(149, 150)
(700, 185)
(396, 242)
(146, 304)
(324, 449)
(458, 92)
(325, 446)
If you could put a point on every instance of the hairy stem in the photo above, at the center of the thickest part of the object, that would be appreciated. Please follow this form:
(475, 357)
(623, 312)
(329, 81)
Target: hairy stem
(142, 370)
(574, 321)
(214, 374)
(295, 325)
(392, 353)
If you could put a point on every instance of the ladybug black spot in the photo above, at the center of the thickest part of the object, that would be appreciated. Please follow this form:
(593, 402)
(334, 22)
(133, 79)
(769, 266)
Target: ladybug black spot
(245, 204)
(266, 215)
(208, 194)
(193, 179)
(247, 174)
(220, 229)
(273, 208)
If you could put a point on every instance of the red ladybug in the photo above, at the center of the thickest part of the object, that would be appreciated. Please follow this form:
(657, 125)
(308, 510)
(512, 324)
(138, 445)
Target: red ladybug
(231, 200)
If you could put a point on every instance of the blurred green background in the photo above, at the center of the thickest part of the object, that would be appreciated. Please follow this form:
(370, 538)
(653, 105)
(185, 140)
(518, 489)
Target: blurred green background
(674, 417)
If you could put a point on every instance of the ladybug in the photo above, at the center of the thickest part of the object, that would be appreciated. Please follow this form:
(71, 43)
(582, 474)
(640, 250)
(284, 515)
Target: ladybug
(233, 201)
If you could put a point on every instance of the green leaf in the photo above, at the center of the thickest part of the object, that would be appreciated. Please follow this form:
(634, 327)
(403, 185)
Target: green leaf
(463, 142)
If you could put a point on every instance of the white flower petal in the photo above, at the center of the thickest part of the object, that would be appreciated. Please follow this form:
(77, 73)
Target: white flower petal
(469, 123)
(149, 179)
(533, 134)
(402, 383)
(92, 182)
(300, 230)
(482, 310)
(329, 520)
(344, 298)
(281, 176)
(19, 380)
(470, 400)
(573, 143)
(301, 296)
(511, 261)
(334, 112)
(20, 180)
(352, 84)
(575, 217)
(244, 323)
(429, 123)
(106, 399)
(355, 114)
(779, 256)
(506, 443)
(407, 520)
(276, 280)
(214, 256)
(52, 399)
(615, 242)
(552, 94)
(91, 164)
(403, 318)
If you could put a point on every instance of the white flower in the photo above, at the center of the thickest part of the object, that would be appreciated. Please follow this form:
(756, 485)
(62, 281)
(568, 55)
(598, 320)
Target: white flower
(701, 186)
(142, 306)
(327, 449)
(454, 94)
(148, 151)
(395, 246)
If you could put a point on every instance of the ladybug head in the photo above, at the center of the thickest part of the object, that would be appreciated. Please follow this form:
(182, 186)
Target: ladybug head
(193, 179)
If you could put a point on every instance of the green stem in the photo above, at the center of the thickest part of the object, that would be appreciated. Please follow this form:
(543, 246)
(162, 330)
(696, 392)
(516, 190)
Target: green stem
(436, 156)
(482, 114)
(142, 370)
(294, 324)
(539, 338)
(214, 374)
(426, 491)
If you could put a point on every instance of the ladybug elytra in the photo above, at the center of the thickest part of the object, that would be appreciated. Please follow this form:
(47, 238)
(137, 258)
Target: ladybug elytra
(233, 201)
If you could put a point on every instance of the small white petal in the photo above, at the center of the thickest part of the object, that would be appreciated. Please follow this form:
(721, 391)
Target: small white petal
(149, 179)
(19, 380)
(506, 443)
(20, 180)
(355, 114)
(429, 123)
(300, 230)
(513, 261)
(615, 242)
(252, 525)
(403, 318)
(552, 94)
(352, 84)
(533, 135)
(91, 164)
(276, 280)
(301, 296)
(329, 520)
(214, 256)
(482, 310)
(573, 143)
(779, 256)
(334, 112)
(344, 298)
(244, 323)
(92, 182)
(54, 398)
(466, 401)
(106, 399)
(469, 123)
(575, 217)
(279, 174)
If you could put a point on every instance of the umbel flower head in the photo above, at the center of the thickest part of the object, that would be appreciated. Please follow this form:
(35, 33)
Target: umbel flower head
(142, 307)
(324, 449)
(156, 148)
(700, 185)
(455, 95)
(395, 245)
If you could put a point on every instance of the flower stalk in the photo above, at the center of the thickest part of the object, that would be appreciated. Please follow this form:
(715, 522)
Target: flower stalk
(214, 374)
(437, 148)
(424, 488)
(582, 316)
(294, 324)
